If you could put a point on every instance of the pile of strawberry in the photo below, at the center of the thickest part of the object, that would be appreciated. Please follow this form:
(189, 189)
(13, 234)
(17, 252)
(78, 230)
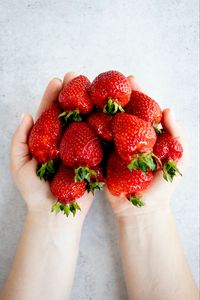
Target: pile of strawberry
(102, 133)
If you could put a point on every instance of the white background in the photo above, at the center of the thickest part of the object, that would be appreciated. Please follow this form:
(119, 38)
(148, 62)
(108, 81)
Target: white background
(154, 40)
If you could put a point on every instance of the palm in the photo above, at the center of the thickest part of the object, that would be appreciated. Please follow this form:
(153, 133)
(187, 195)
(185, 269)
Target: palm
(37, 192)
(159, 193)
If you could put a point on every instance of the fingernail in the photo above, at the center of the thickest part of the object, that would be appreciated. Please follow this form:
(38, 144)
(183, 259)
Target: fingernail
(22, 118)
(56, 78)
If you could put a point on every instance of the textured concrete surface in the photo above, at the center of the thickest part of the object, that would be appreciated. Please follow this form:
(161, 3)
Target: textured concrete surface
(154, 40)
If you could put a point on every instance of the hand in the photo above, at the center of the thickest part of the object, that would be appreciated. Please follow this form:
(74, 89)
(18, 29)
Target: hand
(36, 192)
(157, 197)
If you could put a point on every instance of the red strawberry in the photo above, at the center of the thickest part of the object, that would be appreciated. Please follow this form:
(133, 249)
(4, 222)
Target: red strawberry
(110, 91)
(66, 190)
(80, 148)
(101, 124)
(123, 182)
(142, 106)
(44, 140)
(169, 150)
(133, 135)
(74, 98)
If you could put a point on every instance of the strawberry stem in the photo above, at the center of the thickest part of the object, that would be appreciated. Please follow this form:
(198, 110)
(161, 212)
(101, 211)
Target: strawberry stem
(46, 170)
(83, 173)
(144, 161)
(136, 201)
(112, 107)
(72, 115)
(65, 208)
(96, 185)
(170, 170)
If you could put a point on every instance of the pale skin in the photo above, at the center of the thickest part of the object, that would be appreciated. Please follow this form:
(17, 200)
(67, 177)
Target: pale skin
(44, 265)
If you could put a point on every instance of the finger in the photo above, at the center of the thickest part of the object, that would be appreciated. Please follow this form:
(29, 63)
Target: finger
(68, 77)
(174, 128)
(50, 95)
(134, 84)
(19, 152)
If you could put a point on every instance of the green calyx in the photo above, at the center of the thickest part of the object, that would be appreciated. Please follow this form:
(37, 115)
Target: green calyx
(112, 107)
(85, 174)
(144, 161)
(170, 170)
(46, 170)
(72, 115)
(65, 208)
(158, 128)
(136, 201)
(96, 185)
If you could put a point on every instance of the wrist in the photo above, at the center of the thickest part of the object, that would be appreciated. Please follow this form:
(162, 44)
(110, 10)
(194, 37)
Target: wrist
(57, 229)
(143, 218)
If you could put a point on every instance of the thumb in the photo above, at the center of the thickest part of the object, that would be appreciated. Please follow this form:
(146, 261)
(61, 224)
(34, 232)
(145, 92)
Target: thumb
(19, 152)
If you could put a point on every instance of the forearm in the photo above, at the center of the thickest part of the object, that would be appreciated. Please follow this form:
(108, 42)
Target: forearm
(45, 262)
(153, 260)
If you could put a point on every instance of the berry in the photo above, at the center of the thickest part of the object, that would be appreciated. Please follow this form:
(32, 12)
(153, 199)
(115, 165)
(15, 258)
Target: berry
(101, 124)
(80, 146)
(110, 91)
(123, 182)
(74, 99)
(66, 190)
(44, 140)
(132, 135)
(142, 106)
(169, 151)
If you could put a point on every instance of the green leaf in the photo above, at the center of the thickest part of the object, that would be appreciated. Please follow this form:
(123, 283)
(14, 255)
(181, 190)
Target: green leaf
(46, 170)
(72, 115)
(92, 186)
(143, 161)
(66, 210)
(170, 170)
(72, 209)
(56, 207)
(112, 107)
(83, 174)
(136, 201)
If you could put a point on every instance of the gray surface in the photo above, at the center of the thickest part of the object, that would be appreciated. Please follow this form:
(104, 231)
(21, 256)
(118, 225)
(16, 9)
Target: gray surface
(156, 41)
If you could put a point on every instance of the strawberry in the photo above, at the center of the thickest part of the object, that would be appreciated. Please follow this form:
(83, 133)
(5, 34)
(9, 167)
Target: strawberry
(80, 148)
(142, 106)
(101, 124)
(123, 182)
(169, 151)
(133, 135)
(110, 91)
(66, 191)
(44, 140)
(74, 99)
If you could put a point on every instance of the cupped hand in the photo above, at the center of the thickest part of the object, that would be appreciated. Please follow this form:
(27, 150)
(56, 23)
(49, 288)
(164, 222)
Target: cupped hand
(157, 197)
(36, 192)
